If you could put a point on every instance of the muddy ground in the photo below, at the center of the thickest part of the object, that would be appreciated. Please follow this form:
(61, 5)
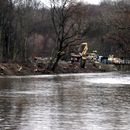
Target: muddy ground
(31, 69)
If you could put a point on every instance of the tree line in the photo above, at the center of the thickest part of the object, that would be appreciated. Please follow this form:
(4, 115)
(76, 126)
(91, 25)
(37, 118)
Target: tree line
(28, 28)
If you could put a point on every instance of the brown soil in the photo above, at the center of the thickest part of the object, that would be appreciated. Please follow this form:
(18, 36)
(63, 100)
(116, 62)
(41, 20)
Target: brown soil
(28, 69)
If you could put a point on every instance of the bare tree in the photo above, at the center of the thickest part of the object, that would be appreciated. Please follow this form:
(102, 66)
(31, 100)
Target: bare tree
(62, 14)
(6, 28)
(117, 19)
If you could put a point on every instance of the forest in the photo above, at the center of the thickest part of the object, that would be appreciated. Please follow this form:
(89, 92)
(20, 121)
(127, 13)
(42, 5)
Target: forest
(28, 28)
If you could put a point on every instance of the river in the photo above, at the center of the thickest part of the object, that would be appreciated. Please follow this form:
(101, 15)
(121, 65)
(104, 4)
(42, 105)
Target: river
(93, 101)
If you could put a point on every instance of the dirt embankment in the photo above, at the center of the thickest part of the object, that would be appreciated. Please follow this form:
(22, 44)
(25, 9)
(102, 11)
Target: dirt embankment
(63, 67)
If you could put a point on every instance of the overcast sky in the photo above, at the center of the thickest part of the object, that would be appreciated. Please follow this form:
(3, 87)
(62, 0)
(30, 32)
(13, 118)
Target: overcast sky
(46, 2)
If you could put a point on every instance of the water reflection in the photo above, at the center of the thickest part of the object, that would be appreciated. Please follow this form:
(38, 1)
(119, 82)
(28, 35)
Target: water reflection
(73, 102)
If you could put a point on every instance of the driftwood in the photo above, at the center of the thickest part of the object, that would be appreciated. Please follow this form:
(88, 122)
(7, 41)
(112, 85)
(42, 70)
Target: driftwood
(4, 70)
(19, 68)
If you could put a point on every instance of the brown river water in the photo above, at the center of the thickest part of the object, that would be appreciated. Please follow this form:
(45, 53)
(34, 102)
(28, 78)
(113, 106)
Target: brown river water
(98, 101)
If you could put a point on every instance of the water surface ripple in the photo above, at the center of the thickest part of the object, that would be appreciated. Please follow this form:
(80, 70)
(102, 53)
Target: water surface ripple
(98, 101)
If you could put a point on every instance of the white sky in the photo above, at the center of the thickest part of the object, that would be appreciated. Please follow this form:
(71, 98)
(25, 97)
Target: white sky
(46, 2)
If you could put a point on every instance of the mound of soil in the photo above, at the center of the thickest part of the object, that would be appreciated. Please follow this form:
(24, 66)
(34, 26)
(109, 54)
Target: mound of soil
(30, 69)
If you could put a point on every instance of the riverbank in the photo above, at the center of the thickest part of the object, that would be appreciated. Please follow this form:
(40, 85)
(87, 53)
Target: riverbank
(63, 67)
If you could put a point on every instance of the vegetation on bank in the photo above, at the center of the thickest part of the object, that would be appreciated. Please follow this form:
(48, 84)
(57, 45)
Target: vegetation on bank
(28, 28)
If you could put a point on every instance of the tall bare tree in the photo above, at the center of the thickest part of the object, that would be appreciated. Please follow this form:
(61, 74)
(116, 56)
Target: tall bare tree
(62, 14)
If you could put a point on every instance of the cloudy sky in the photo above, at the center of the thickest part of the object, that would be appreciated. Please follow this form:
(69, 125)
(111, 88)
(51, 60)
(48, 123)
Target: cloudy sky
(46, 2)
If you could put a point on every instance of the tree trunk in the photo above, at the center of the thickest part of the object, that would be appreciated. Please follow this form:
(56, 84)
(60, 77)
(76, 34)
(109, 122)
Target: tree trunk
(55, 64)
